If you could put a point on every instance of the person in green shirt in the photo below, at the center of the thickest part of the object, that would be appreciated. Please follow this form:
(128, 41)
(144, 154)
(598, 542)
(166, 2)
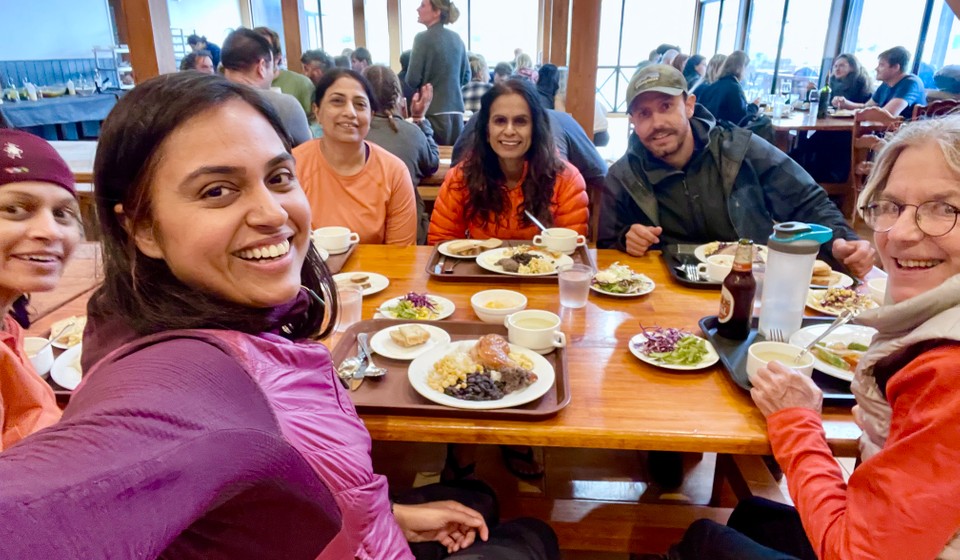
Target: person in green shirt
(289, 82)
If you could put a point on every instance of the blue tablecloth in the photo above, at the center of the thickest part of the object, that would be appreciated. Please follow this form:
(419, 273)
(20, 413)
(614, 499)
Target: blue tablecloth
(57, 110)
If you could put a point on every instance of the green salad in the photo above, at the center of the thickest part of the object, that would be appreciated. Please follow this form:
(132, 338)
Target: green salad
(673, 346)
(619, 279)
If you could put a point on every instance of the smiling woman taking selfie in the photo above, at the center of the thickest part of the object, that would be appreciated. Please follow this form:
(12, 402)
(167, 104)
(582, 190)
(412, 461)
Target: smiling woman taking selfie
(39, 229)
(901, 502)
(207, 425)
(510, 167)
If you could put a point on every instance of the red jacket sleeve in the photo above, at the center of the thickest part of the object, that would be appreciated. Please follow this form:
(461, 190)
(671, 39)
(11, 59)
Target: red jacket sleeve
(570, 200)
(448, 220)
(901, 503)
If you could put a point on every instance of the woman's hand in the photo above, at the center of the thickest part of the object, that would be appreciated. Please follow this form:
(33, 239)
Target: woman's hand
(421, 101)
(776, 387)
(840, 102)
(450, 523)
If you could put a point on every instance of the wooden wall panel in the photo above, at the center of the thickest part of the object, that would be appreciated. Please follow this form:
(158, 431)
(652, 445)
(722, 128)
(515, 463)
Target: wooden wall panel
(584, 44)
(359, 27)
(560, 22)
(393, 30)
(294, 30)
(150, 42)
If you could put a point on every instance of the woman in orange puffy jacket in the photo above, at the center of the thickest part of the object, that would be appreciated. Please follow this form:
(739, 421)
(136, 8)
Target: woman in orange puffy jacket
(510, 167)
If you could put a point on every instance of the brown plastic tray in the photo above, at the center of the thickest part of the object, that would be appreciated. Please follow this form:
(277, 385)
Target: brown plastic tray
(467, 270)
(393, 394)
(335, 262)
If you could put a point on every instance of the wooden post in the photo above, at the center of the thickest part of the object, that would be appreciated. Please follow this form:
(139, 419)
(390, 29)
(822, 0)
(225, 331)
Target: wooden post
(359, 27)
(294, 30)
(584, 44)
(558, 32)
(149, 39)
(393, 31)
(544, 32)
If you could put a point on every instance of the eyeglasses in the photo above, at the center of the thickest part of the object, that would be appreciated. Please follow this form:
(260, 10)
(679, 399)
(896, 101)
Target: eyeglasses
(933, 218)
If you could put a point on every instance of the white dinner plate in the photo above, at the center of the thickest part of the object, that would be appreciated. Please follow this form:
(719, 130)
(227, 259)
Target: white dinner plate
(385, 346)
(646, 287)
(341, 251)
(378, 282)
(837, 280)
(814, 298)
(66, 371)
(420, 368)
(710, 358)
(845, 334)
(79, 323)
(488, 261)
(842, 114)
(442, 249)
(707, 249)
(445, 308)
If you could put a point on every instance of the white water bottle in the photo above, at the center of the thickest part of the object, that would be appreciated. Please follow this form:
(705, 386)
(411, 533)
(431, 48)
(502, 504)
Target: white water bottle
(31, 91)
(71, 89)
(792, 251)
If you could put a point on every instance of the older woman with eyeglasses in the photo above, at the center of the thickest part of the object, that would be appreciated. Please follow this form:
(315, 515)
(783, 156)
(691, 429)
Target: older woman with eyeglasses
(901, 502)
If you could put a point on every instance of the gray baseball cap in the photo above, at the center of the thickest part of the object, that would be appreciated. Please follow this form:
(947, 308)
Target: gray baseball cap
(662, 78)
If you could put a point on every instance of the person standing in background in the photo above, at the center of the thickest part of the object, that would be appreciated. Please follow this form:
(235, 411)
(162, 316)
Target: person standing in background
(439, 58)
(315, 63)
(198, 43)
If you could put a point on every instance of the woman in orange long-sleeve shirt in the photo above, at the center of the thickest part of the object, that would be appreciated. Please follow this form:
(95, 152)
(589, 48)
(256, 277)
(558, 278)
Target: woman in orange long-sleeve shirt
(39, 228)
(510, 167)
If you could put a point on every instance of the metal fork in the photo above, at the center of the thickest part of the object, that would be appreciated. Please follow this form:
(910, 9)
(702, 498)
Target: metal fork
(691, 272)
(776, 335)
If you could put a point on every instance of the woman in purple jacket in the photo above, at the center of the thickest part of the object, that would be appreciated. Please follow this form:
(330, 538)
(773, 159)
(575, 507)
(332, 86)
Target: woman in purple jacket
(207, 425)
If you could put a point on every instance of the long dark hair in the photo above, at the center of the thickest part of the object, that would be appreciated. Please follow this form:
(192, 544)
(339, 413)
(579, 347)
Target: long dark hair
(858, 79)
(143, 291)
(481, 167)
(329, 78)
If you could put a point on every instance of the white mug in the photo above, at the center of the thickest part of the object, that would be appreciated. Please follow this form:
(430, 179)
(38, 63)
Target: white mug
(535, 329)
(716, 268)
(559, 239)
(335, 239)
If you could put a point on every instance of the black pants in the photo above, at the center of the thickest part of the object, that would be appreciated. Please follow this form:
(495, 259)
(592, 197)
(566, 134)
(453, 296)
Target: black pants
(520, 539)
(446, 127)
(758, 529)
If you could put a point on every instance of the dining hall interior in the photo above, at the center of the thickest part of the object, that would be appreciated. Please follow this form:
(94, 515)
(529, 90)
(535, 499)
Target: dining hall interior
(617, 448)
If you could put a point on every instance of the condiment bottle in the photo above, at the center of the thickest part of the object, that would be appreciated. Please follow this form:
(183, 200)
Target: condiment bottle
(736, 295)
(71, 89)
(792, 251)
(823, 102)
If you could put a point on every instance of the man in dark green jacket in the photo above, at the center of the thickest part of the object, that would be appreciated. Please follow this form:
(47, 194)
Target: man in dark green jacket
(686, 179)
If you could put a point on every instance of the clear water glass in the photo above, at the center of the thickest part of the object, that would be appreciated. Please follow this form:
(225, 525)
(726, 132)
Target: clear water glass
(351, 305)
(575, 284)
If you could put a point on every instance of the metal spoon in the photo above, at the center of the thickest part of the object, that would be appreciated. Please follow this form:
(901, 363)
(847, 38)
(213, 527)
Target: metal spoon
(845, 317)
(535, 221)
(372, 369)
(56, 337)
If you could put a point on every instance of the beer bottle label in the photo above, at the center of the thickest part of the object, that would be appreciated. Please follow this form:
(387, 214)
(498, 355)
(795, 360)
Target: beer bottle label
(726, 305)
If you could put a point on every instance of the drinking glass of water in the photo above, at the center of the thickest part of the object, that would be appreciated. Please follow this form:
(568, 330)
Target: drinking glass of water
(575, 284)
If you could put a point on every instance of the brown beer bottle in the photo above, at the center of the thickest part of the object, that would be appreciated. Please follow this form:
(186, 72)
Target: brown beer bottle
(736, 295)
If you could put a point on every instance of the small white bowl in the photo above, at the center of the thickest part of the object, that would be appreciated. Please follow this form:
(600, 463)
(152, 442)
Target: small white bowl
(760, 353)
(878, 289)
(513, 301)
(43, 361)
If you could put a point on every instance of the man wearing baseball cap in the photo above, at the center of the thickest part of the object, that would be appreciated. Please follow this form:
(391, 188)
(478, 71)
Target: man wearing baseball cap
(687, 179)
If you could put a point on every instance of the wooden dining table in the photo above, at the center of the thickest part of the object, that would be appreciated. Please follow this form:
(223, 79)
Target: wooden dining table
(617, 401)
(785, 128)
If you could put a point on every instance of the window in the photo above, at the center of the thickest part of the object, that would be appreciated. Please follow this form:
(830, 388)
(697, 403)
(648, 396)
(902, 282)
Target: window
(336, 18)
(627, 35)
(942, 45)
(377, 30)
(495, 36)
(268, 14)
(709, 26)
(729, 22)
(761, 46)
(877, 25)
(312, 12)
(804, 37)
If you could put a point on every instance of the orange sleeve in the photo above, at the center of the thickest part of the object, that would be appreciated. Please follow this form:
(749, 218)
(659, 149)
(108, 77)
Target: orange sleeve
(571, 205)
(448, 220)
(27, 403)
(401, 227)
(902, 502)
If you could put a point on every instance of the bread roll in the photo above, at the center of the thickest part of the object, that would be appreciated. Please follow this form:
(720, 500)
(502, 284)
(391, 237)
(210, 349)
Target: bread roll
(410, 335)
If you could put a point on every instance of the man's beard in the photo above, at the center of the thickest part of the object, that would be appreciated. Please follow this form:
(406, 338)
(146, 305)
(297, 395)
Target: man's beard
(665, 151)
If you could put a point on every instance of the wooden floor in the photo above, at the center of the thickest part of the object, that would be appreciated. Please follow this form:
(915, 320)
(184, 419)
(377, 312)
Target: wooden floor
(600, 502)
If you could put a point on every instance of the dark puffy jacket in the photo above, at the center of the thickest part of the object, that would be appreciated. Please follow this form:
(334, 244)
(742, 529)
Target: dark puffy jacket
(725, 101)
(761, 184)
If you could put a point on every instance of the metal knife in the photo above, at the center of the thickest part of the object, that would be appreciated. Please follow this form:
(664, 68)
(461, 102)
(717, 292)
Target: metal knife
(439, 268)
(357, 380)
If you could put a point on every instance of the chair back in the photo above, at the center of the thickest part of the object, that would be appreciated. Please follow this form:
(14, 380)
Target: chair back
(870, 125)
(936, 108)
